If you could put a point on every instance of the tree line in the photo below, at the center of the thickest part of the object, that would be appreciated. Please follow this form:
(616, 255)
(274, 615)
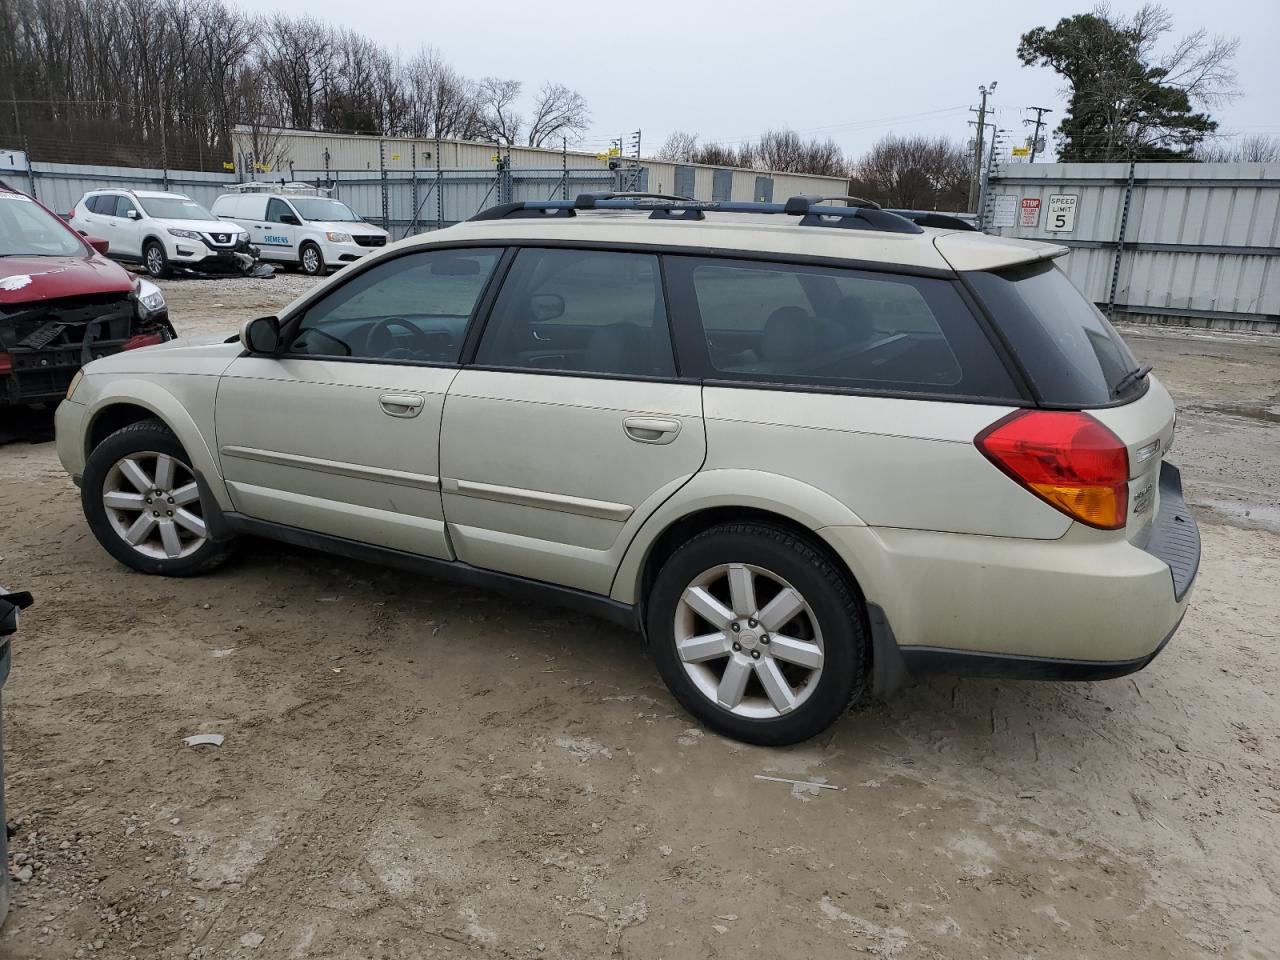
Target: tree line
(146, 80)
(913, 172)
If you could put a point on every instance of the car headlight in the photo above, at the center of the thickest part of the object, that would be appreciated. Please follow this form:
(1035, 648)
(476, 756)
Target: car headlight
(339, 237)
(75, 382)
(150, 297)
(186, 234)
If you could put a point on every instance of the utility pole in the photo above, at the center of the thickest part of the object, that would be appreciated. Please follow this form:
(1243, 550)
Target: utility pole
(1039, 124)
(980, 136)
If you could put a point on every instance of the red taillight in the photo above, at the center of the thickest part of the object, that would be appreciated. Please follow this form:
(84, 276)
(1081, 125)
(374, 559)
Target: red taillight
(1067, 459)
(142, 340)
(6, 363)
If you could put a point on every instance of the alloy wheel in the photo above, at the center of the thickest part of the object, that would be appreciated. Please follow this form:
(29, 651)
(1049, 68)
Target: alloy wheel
(153, 503)
(155, 260)
(748, 640)
(311, 260)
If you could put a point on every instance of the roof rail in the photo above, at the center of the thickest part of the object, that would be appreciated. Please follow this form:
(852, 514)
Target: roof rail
(932, 218)
(813, 211)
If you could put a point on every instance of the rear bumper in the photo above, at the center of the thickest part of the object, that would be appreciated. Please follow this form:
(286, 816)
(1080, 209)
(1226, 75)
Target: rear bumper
(1085, 607)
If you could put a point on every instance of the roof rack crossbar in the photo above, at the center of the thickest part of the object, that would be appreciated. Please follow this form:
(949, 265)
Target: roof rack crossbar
(813, 211)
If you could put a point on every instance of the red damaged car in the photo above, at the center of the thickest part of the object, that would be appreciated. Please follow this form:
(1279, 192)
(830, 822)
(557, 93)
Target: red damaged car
(62, 304)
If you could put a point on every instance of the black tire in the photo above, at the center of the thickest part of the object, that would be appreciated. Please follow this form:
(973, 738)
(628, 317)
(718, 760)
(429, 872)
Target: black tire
(145, 435)
(318, 266)
(834, 601)
(154, 259)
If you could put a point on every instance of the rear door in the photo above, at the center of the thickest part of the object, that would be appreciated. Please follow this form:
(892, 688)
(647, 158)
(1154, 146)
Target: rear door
(571, 426)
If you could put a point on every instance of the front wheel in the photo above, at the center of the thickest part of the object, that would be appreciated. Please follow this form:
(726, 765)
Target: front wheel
(311, 260)
(143, 504)
(155, 259)
(758, 634)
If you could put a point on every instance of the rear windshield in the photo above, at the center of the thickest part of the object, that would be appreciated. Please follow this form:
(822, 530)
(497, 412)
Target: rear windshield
(1070, 351)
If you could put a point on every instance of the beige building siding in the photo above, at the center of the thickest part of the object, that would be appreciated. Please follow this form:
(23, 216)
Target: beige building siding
(348, 152)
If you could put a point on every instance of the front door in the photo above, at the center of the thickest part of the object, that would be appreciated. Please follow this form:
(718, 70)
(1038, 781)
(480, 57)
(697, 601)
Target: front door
(276, 239)
(340, 433)
(571, 427)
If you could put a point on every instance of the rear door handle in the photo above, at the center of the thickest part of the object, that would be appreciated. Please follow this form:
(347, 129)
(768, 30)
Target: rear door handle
(401, 404)
(651, 429)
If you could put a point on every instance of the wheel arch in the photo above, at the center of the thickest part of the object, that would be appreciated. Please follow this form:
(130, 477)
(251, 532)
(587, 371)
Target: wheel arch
(717, 496)
(131, 400)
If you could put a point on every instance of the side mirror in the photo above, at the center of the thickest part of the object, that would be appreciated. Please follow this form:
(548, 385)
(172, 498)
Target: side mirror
(290, 219)
(546, 306)
(102, 246)
(134, 215)
(261, 336)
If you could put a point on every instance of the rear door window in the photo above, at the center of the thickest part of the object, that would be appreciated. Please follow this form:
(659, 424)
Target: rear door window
(1072, 354)
(796, 324)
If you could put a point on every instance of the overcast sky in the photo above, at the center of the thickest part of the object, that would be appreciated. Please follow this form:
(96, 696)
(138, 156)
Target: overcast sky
(852, 70)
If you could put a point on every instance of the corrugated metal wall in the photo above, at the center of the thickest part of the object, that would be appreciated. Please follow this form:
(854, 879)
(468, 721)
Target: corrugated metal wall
(60, 185)
(1202, 239)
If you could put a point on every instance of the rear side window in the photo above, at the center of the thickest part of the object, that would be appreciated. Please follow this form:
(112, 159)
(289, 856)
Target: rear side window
(1070, 351)
(582, 311)
(794, 324)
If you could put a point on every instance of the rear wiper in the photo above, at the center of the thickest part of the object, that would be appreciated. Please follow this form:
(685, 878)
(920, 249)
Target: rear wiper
(1132, 377)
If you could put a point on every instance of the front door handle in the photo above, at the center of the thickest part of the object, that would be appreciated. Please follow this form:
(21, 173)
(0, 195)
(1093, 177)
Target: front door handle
(651, 429)
(401, 404)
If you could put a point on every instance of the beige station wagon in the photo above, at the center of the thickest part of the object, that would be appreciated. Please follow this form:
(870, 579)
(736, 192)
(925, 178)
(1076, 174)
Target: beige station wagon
(808, 450)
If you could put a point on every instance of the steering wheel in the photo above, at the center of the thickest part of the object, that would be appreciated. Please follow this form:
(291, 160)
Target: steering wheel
(381, 343)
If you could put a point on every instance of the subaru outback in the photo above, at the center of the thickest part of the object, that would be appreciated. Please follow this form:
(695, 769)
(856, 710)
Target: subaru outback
(809, 450)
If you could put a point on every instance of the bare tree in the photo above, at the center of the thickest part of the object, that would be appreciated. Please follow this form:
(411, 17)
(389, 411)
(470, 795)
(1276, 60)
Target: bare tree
(1253, 149)
(679, 147)
(440, 101)
(914, 172)
(558, 112)
(499, 120)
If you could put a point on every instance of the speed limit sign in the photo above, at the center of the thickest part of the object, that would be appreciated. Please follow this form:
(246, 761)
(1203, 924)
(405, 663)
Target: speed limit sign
(1062, 213)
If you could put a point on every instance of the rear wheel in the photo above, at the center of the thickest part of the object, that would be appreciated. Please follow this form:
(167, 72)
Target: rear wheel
(143, 504)
(155, 259)
(758, 634)
(311, 260)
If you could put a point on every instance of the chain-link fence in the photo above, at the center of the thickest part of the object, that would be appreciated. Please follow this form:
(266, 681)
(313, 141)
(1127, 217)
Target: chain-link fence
(402, 202)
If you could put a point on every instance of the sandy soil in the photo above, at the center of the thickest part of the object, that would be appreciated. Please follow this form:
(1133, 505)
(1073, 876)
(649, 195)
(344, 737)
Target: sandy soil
(416, 770)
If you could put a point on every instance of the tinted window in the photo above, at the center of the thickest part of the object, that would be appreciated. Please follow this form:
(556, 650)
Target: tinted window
(788, 323)
(1070, 351)
(276, 209)
(101, 204)
(412, 308)
(580, 310)
(124, 205)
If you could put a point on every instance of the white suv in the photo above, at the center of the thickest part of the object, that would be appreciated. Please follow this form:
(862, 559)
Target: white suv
(808, 449)
(163, 232)
(301, 228)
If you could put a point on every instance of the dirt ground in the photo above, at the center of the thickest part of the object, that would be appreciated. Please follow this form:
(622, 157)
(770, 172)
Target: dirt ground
(416, 770)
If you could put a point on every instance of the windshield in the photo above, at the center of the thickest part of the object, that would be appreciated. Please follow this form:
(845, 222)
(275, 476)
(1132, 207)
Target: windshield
(28, 230)
(322, 208)
(1071, 352)
(171, 208)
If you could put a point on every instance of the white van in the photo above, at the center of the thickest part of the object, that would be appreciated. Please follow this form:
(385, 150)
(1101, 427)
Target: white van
(289, 226)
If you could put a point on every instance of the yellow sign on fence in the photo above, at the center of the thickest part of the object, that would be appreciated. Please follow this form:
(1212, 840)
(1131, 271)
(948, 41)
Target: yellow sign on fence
(1022, 151)
(228, 165)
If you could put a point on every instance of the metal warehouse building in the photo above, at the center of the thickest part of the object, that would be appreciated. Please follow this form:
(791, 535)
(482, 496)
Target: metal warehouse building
(419, 184)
